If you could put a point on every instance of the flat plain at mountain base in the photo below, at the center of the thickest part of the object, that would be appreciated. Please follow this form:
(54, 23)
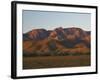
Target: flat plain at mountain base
(56, 61)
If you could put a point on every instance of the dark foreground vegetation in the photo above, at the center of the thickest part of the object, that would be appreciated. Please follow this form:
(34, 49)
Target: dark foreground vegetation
(36, 54)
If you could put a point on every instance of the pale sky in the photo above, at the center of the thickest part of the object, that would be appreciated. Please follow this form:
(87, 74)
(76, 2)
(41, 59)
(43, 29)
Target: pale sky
(50, 20)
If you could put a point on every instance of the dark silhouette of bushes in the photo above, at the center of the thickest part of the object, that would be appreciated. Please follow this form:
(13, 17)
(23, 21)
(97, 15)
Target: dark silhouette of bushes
(52, 53)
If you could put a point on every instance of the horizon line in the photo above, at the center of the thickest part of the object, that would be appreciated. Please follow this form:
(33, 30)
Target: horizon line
(56, 28)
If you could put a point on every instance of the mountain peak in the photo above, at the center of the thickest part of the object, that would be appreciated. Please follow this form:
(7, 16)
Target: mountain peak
(59, 28)
(37, 34)
(60, 32)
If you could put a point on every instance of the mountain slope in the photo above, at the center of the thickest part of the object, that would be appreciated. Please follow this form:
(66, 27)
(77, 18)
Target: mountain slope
(60, 40)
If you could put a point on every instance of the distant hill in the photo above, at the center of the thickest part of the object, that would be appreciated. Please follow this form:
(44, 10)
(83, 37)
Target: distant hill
(58, 41)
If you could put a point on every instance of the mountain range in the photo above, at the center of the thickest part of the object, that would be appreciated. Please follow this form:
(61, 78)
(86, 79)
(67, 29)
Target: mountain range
(58, 41)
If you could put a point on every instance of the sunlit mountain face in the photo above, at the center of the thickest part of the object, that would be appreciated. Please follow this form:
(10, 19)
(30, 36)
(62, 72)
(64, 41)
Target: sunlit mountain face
(60, 40)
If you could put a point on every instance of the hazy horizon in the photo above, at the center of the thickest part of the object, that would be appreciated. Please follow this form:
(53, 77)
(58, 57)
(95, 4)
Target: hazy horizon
(50, 20)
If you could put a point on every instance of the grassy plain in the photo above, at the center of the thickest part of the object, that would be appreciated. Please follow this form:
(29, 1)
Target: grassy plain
(56, 61)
